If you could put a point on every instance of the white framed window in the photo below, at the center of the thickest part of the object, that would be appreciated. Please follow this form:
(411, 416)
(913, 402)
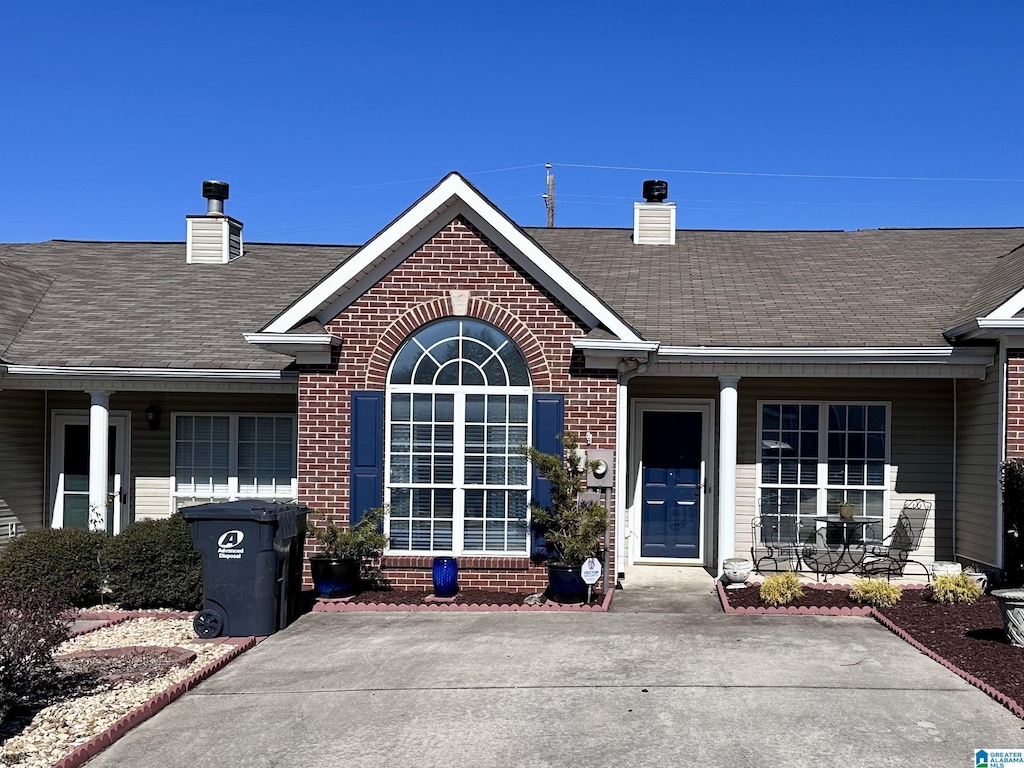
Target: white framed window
(814, 456)
(222, 457)
(457, 410)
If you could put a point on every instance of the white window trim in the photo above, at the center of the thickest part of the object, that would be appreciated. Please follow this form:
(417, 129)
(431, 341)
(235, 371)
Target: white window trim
(233, 484)
(822, 486)
(459, 455)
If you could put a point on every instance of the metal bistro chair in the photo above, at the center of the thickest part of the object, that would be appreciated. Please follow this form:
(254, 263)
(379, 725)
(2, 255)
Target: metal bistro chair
(770, 546)
(892, 556)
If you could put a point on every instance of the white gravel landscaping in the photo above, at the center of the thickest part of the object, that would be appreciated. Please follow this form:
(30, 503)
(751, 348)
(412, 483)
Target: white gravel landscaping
(58, 729)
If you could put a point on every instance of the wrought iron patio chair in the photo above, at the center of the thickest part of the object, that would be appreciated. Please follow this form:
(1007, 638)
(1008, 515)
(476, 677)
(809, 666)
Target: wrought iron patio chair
(770, 545)
(892, 555)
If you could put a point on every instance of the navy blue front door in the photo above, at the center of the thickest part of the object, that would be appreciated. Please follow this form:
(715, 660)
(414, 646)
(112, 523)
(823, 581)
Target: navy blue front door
(671, 455)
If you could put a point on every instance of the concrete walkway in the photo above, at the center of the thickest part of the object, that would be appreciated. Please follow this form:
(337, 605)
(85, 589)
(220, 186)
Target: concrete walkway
(616, 689)
(666, 589)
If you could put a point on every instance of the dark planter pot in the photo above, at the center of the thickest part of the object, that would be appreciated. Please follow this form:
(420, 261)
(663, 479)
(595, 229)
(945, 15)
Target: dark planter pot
(446, 576)
(565, 584)
(334, 576)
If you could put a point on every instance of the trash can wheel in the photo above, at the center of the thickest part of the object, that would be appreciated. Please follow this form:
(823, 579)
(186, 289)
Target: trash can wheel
(208, 623)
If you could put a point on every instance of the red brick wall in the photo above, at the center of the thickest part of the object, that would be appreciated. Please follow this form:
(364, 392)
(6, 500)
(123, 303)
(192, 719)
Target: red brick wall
(374, 327)
(1015, 404)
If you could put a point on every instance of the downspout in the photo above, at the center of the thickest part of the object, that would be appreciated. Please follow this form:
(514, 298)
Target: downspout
(621, 454)
(1003, 394)
(47, 510)
(956, 425)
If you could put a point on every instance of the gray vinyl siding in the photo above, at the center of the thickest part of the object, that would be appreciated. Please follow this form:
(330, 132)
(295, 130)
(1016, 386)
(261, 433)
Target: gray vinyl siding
(977, 469)
(22, 458)
(921, 441)
(150, 471)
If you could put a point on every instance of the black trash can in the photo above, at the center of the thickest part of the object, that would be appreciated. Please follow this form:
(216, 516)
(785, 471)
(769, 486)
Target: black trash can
(252, 565)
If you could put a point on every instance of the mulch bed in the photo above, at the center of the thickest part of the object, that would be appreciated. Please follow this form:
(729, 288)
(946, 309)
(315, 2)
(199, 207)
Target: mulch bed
(750, 597)
(464, 597)
(970, 637)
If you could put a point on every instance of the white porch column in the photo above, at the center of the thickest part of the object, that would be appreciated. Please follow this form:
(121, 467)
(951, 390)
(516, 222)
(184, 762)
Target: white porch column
(99, 429)
(727, 469)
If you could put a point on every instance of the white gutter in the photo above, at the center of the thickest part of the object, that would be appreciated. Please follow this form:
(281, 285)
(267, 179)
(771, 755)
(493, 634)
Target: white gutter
(614, 345)
(985, 327)
(306, 348)
(885, 355)
(97, 372)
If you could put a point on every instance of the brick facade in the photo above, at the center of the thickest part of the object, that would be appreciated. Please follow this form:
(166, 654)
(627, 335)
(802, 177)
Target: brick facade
(1015, 404)
(458, 258)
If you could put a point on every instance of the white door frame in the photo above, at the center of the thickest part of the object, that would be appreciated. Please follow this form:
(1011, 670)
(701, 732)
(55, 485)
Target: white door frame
(121, 421)
(638, 407)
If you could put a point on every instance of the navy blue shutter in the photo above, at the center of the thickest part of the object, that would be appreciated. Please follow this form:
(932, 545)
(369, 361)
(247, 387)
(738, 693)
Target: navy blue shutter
(548, 426)
(366, 479)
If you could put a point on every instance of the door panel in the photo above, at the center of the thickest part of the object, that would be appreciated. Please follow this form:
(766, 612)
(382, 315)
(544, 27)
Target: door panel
(670, 524)
(71, 472)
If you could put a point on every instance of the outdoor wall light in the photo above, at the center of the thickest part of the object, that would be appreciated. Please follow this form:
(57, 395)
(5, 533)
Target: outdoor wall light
(153, 416)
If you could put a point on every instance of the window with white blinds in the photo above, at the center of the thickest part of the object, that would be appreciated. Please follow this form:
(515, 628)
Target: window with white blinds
(221, 457)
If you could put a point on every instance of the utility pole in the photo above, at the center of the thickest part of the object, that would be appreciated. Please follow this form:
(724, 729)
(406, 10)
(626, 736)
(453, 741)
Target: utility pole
(549, 198)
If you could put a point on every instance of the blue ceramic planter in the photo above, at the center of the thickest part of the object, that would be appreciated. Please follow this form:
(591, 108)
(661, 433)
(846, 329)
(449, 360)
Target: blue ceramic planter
(446, 576)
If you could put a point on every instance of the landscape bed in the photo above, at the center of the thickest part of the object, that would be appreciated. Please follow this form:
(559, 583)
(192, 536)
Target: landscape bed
(967, 638)
(465, 600)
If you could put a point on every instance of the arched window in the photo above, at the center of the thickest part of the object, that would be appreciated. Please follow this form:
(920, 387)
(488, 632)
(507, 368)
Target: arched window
(458, 409)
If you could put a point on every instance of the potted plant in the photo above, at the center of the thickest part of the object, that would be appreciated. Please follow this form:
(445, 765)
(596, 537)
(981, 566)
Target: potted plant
(847, 509)
(337, 569)
(572, 528)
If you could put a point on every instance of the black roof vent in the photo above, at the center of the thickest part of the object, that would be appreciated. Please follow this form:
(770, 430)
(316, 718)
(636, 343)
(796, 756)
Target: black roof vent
(218, 190)
(655, 191)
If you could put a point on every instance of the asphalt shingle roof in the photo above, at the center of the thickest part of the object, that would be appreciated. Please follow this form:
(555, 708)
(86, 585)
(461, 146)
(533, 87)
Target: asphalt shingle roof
(68, 303)
(140, 304)
(888, 287)
(20, 292)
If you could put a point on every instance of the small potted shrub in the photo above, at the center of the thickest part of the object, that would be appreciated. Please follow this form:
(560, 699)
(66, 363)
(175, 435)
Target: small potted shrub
(847, 509)
(337, 568)
(573, 528)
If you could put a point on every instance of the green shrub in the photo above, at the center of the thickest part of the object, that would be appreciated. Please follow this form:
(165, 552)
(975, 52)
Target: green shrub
(1013, 521)
(781, 589)
(955, 588)
(66, 560)
(33, 622)
(151, 564)
(876, 592)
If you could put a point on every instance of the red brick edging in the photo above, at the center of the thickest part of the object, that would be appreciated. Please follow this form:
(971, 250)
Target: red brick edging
(790, 609)
(1008, 702)
(340, 606)
(84, 752)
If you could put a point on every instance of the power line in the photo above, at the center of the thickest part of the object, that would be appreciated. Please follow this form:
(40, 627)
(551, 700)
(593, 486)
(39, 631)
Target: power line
(782, 175)
(1015, 206)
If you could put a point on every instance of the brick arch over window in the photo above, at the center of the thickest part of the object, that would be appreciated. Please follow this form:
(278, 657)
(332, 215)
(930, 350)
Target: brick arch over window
(420, 315)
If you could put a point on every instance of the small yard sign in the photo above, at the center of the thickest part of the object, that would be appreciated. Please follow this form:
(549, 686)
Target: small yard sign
(590, 571)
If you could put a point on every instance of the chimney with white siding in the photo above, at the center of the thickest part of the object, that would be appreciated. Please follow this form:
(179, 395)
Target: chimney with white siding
(213, 238)
(654, 221)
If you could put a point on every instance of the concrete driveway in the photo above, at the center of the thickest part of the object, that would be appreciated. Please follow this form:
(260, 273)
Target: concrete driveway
(417, 689)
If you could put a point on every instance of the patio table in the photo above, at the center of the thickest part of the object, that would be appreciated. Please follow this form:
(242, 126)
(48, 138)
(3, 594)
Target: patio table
(845, 562)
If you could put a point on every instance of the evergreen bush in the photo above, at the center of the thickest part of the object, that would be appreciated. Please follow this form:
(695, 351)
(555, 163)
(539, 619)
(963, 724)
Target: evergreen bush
(1013, 521)
(781, 589)
(954, 588)
(876, 592)
(151, 564)
(66, 560)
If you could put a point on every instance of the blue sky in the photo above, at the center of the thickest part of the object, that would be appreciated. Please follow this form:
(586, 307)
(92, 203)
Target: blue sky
(328, 119)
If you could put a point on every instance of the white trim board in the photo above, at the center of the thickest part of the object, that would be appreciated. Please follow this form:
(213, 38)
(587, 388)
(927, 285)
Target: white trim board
(451, 197)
